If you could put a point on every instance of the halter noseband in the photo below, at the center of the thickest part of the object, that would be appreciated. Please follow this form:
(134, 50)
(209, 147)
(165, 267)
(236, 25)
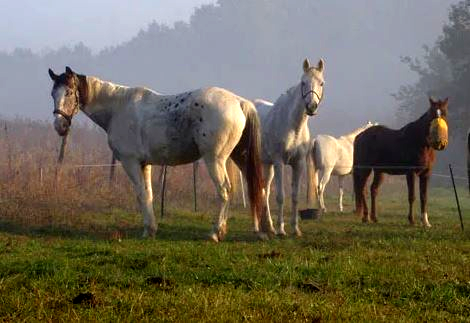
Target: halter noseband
(74, 111)
(304, 95)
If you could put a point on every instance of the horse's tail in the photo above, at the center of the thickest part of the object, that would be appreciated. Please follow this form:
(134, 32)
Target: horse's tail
(468, 159)
(311, 174)
(247, 155)
(232, 172)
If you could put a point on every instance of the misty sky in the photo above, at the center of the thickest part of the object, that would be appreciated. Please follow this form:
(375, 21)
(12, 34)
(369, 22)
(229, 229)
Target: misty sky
(361, 40)
(48, 24)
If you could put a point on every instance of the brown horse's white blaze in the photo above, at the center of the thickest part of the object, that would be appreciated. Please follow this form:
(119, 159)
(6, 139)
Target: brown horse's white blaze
(408, 151)
(146, 128)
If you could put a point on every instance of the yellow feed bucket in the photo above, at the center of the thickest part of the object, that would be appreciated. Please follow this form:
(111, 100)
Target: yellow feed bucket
(439, 134)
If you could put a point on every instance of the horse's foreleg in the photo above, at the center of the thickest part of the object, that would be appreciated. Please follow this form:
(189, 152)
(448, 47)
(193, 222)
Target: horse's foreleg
(297, 171)
(374, 190)
(423, 195)
(278, 177)
(341, 192)
(410, 181)
(219, 176)
(140, 177)
(268, 177)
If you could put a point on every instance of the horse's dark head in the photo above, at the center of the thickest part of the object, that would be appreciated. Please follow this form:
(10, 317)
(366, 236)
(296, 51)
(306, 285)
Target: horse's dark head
(438, 129)
(66, 95)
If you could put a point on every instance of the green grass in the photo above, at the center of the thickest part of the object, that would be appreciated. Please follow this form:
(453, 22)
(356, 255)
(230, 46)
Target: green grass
(339, 270)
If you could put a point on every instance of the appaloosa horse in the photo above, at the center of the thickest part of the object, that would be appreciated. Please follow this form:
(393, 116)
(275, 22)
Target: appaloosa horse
(146, 128)
(408, 151)
(286, 138)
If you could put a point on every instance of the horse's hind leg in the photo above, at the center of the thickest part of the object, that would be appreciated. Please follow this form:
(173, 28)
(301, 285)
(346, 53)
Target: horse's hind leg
(341, 192)
(140, 176)
(360, 176)
(374, 190)
(218, 174)
(410, 181)
(324, 179)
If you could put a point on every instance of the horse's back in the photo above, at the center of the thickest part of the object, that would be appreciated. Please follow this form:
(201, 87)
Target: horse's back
(181, 128)
(330, 152)
(385, 147)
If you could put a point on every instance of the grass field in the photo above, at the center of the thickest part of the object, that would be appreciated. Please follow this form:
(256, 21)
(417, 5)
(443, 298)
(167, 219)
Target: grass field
(95, 267)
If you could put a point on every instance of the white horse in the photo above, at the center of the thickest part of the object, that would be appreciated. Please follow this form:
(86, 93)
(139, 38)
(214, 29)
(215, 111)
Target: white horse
(332, 155)
(146, 128)
(286, 138)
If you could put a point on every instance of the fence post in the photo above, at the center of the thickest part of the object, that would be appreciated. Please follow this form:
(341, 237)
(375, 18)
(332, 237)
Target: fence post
(40, 177)
(456, 196)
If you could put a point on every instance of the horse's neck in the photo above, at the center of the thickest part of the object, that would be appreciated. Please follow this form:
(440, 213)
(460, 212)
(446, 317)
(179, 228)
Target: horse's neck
(103, 100)
(294, 108)
(416, 130)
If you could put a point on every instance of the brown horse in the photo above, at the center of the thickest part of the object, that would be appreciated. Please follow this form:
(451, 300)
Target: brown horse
(408, 151)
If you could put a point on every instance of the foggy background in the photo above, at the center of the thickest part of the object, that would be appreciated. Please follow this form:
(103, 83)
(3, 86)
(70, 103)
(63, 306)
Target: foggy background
(254, 48)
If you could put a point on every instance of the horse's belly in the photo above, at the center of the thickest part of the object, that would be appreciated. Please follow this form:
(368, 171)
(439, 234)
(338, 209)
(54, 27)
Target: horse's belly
(174, 153)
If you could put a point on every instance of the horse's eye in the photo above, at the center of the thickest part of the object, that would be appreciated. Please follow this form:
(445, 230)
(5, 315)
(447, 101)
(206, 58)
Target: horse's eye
(322, 83)
(303, 83)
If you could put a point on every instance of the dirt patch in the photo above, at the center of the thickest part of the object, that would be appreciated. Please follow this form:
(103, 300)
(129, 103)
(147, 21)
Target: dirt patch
(309, 287)
(270, 255)
(85, 299)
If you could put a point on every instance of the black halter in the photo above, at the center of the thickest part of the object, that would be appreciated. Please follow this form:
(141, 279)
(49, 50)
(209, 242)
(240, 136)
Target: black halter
(304, 95)
(75, 110)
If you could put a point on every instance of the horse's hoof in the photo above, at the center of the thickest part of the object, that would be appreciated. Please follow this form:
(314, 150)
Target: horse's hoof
(374, 220)
(214, 237)
(271, 232)
(149, 233)
(365, 220)
(297, 233)
(222, 232)
(281, 233)
(427, 225)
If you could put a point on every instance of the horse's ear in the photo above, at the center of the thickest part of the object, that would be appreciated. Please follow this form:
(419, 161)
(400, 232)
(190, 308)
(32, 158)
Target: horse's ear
(431, 101)
(68, 71)
(306, 65)
(321, 65)
(53, 75)
(446, 101)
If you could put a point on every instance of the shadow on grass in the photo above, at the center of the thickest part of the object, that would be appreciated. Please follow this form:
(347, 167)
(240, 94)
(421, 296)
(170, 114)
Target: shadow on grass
(166, 232)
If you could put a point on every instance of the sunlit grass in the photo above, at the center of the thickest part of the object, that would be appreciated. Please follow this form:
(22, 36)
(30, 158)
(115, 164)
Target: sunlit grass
(340, 269)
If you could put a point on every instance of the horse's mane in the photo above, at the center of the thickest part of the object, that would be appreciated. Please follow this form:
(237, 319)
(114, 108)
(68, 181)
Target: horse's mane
(120, 93)
(285, 97)
(417, 124)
